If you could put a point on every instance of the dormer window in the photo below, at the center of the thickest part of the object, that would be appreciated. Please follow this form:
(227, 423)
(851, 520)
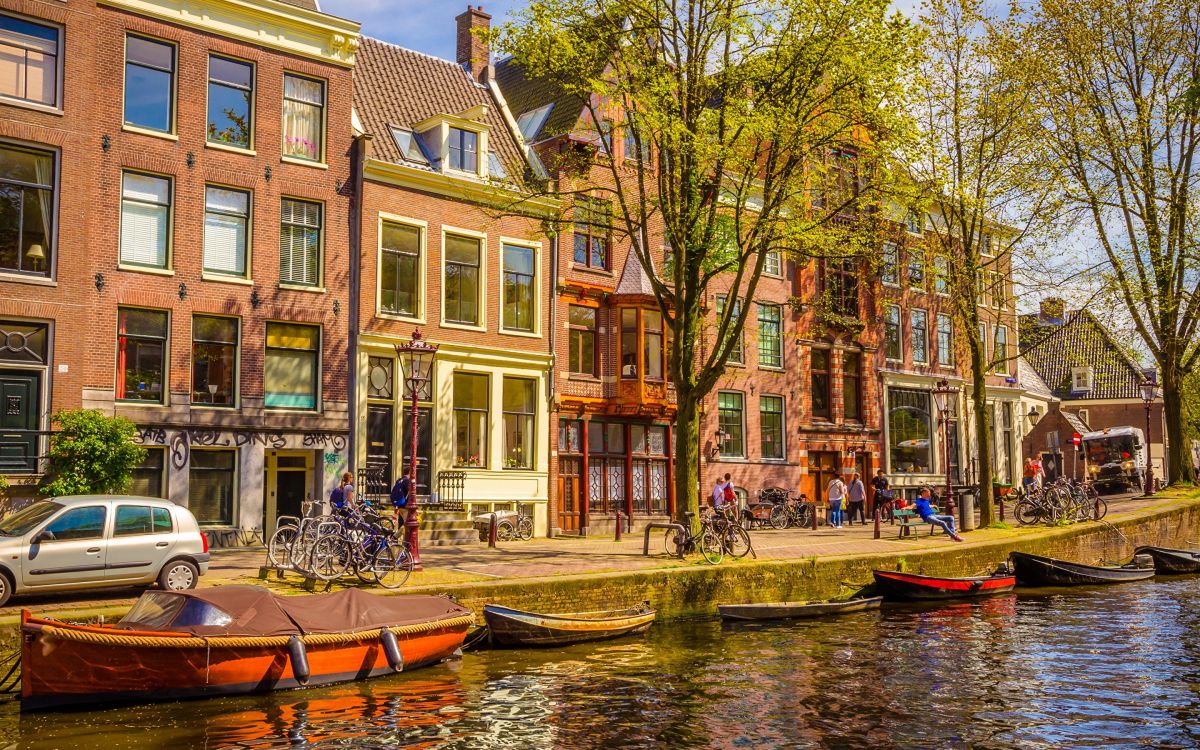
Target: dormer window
(464, 150)
(1082, 379)
(410, 146)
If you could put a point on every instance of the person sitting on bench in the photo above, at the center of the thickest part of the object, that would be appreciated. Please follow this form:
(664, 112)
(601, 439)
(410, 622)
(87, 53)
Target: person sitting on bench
(925, 511)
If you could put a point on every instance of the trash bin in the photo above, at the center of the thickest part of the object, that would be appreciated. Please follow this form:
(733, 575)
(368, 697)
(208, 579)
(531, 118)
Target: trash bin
(966, 512)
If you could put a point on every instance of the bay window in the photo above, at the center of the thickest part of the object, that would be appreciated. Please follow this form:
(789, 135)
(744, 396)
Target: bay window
(652, 336)
(629, 348)
(290, 370)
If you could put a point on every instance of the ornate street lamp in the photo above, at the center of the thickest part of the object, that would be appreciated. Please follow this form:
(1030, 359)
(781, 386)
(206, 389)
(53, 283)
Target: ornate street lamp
(419, 355)
(1033, 416)
(1149, 393)
(944, 399)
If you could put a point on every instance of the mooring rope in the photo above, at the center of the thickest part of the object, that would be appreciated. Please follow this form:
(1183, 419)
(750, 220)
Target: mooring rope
(311, 639)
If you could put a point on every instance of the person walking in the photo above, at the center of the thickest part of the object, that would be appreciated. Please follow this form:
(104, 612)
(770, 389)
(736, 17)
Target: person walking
(883, 492)
(718, 491)
(836, 494)
(925, 511)
(399, 496)
(856, 495)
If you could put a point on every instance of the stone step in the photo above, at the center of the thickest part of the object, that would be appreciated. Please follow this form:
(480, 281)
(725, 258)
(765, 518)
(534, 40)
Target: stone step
(448, 537)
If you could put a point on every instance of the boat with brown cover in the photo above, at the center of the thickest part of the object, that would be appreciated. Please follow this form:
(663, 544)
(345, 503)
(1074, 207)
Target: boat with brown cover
(796, 610)
(912, 587)
(1036, 570)
(513, 627)
(1171, 562)
(230, 640)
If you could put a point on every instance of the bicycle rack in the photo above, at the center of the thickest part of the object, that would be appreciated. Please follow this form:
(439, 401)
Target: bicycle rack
(658, 525)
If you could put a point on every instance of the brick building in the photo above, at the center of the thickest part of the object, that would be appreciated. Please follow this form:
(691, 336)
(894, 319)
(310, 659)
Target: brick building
(186, 261)
(1094, 380)
(610, 391)
(444, 249)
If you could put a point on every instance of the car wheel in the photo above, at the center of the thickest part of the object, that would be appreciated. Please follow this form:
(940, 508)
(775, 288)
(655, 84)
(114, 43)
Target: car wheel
(178, 575)
(6, 589)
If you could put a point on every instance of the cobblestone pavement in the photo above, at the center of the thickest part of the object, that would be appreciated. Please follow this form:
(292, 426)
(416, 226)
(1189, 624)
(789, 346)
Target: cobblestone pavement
(556, 557)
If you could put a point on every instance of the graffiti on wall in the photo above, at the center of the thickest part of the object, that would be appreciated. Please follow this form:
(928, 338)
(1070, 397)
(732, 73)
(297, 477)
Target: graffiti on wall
(183, 441)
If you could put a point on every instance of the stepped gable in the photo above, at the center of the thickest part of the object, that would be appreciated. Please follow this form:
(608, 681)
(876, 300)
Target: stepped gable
(1052, 348)
(394, 86)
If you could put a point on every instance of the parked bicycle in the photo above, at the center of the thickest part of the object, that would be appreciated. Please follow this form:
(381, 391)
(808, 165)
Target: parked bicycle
(735, 540)
(682, 543)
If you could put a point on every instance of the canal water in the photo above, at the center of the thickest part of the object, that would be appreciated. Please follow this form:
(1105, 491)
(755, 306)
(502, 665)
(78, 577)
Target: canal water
(1117, 667)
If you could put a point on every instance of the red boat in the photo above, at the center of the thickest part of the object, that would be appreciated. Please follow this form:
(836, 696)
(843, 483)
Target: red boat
(230, 640)
(910, 587)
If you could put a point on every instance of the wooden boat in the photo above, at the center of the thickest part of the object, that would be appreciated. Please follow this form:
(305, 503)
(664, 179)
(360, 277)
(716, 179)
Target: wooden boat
(912, 587)
(230, 640)
(512, 627)
(1171, 562)
(1035, 570)
(796, 610)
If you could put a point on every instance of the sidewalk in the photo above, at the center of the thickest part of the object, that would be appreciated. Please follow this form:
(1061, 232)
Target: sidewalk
(547, 558)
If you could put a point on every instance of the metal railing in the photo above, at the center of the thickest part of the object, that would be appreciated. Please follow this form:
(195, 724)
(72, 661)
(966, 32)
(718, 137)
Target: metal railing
(373, 484)
(450, 486)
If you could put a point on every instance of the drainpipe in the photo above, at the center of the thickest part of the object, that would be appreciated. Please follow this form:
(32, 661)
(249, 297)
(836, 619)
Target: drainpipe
(359, 153)
(553, 337)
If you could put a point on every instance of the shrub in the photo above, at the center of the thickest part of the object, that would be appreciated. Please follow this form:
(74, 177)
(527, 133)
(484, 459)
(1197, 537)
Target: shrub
(91, 454)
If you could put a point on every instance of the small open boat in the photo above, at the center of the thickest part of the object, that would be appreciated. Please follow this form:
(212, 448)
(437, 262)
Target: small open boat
(1171, 562)
(512, 627)
(912, 587)
(796, 610)
(1035, 570)
(230, 640)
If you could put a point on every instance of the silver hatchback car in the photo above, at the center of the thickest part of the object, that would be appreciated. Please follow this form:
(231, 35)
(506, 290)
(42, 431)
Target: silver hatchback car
(95, 541)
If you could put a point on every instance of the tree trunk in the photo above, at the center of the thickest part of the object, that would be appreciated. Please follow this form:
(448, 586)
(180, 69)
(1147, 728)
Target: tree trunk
(687, 456)
(1178, 453)
(983, 434)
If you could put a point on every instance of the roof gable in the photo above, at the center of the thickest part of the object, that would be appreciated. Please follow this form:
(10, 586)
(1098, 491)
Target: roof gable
(524, 95)
(1053, 349)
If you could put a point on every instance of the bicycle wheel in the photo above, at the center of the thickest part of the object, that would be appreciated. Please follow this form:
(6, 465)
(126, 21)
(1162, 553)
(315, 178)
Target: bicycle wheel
(779, 517)
(525, 529)
(803, 517)
(279, 548)
(1103, 508)
(737, 541)
(673, 543)
(330, 557)
(1027, 513)
(392, 565)
(710, 545)
(505, 531)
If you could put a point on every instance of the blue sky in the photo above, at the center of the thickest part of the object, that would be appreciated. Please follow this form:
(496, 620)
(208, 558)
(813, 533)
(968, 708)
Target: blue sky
(428, 25)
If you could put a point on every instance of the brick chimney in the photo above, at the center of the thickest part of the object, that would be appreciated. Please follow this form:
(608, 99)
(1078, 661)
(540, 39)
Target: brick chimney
(474, 53)
(1053, 310)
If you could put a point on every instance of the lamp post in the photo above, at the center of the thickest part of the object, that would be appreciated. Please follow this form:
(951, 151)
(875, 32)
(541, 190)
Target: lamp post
(1149, 393)
(944, 396)
(419, 355)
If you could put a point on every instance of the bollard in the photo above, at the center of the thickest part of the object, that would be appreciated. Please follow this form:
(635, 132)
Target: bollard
(814, 526)
(492, 531)
(1096, 509)
(618, 526)
(949, 503)
(1000, 500)
(876, 521)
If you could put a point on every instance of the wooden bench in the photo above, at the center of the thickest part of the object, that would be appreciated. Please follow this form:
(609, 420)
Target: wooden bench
(908, 519)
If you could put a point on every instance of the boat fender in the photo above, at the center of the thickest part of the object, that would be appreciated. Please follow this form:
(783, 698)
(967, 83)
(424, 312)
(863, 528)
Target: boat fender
(299, 658)
(391, 649)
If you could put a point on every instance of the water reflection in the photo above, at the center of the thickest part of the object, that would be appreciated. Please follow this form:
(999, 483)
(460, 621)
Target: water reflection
(1116, 667)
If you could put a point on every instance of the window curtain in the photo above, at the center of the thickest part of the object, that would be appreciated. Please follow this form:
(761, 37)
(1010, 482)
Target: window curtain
(302, 106)
(121, 344)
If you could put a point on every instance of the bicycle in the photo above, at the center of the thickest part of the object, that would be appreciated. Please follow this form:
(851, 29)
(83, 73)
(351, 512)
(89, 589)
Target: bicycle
(799, 511)
(682, 543)
(735, 540)
(371, 551)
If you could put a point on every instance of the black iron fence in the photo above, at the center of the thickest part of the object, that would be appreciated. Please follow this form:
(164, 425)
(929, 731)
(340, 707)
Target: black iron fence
(375, 485)
(450, 486)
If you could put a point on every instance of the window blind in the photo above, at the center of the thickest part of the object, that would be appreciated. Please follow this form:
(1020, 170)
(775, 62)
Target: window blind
(299, 242)
(145, 219)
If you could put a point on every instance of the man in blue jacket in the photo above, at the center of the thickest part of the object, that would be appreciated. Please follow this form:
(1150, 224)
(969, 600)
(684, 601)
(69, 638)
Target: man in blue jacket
(925, 511)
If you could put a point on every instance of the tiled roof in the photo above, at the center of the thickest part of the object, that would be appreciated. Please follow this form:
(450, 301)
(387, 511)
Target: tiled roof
(525, 94)
(1031, 381)
(1076, 423)
(1053, 348)
(394, 86)
(633, 278)
(306, 4)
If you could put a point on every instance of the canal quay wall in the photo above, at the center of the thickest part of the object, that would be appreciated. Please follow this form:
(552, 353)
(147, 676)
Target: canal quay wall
(695, 591)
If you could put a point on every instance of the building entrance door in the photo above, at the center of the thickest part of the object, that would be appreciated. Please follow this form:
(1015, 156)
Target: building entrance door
(424, 444)
(289, 484)
(568, 494)
(823, 466)
(20, 394)
(379, 442)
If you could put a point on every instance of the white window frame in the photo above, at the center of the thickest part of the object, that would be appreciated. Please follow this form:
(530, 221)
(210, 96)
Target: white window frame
(319, 284)
(422, 263)
(912, 314)
(777, 264)
(1088, 382)
(482, 297)
(536, 247)
(168, 252)
(247, 241)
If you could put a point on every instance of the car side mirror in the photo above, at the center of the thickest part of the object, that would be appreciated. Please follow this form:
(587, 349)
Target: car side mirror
(41, 536)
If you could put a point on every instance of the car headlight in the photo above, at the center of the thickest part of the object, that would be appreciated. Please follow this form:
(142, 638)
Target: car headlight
(1127, 466)
(1094, 469)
